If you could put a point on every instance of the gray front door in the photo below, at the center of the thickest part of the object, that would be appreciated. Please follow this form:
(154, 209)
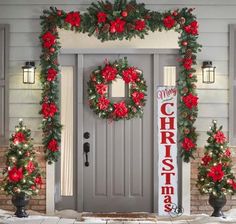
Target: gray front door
(120, 173)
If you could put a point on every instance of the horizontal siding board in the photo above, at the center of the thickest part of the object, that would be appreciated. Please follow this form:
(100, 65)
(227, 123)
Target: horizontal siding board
(24, 53)
(24, 40)
(213, 39)
(213, 53)
(24, 96)
(31, 123)
(16, 82)
(221, 82)
(213, 110)
(203, 124)
(213, 96)
(24, 110)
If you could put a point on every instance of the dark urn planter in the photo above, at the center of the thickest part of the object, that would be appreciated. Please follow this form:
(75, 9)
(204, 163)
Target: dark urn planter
(217, 203)
(20, 201)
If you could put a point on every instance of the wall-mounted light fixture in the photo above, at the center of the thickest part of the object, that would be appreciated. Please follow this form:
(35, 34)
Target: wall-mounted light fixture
(29, 72)
(208, 72)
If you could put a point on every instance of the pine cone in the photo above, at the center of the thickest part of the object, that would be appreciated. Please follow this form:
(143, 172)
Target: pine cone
(108, 6)
(130, 26)
(130, 7)
(188, 53)
(105, 28)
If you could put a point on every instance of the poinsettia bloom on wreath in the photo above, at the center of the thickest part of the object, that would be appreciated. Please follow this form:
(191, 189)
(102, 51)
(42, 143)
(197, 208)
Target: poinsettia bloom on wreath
(48, 39)
(219, 137)
(15, 175)
(101, 16)
(109, 73)
(169, 22)
(19, 137)
(129, 75)
(117, 25)
(103, 103)
(73, 18)
(187, 144)
(49, 109)
(190, 101)
(101, 88)
(206, 159)
(53, 145)
(51, 74)
(120, 109)
(216, 173)
(140, 25)
(187, 63)
(30, 167)
(192, 28)
(137, 97)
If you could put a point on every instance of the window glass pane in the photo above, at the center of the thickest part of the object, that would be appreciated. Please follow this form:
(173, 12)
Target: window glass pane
(118, 88)
(67, 144)
(169, 76)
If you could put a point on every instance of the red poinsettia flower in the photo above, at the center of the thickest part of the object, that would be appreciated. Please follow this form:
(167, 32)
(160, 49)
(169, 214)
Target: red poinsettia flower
(169, 22)
(140, 25)
(192, 28)
(187, 144)
(117, 25)
(109, 73)
(19, 137)
(190, 101)
(103, 103)
(219, 137)
(187, 63)
(101, 88)
(49, 109)
(38, 180)
(48, 39)
(129, 75)
(30, 167)
(206, 159)
(227, 152)
(15, 175)
(53, 145)
(51, 74)
(216, 173)
(73, 18)
(101, 16)
(120, 109)
(137, 97)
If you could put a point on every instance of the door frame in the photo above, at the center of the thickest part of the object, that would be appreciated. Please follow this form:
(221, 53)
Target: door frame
(184, 176)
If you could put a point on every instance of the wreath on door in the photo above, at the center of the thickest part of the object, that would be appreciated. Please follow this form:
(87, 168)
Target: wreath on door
(98, 91)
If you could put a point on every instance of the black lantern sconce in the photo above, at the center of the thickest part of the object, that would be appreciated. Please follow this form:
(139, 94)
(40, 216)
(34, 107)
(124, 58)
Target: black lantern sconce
(29, 72)
(208, 72)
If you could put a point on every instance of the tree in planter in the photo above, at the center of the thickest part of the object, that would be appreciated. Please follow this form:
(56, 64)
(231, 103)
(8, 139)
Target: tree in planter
(215, 175)
(22, 175)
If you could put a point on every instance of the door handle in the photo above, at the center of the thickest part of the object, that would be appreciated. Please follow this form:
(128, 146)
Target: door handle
(86, 151)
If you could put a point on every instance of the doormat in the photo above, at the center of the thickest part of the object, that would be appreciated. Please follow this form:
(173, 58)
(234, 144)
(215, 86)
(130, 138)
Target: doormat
(119, 217)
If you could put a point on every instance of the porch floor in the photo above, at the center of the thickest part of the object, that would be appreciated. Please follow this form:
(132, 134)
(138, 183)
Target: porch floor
(70, 217)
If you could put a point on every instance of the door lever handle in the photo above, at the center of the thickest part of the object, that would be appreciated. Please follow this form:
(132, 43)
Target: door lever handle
(86, 151)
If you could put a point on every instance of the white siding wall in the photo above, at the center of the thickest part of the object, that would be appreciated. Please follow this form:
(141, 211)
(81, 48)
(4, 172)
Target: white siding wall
(214, 16)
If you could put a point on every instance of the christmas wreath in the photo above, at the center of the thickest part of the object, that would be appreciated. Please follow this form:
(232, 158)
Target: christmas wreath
(98, 85)
(116, 21)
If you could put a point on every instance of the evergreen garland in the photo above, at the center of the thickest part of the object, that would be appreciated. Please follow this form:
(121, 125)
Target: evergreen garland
(111, 21)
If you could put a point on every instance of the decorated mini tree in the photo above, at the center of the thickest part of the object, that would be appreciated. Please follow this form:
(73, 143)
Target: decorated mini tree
(22, 175)
(215, 175)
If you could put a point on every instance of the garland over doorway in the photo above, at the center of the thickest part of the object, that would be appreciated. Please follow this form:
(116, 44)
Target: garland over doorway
(117, 21)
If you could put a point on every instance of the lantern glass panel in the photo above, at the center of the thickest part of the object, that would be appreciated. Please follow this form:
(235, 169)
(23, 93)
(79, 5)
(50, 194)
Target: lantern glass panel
(28, 75)
(209, 75)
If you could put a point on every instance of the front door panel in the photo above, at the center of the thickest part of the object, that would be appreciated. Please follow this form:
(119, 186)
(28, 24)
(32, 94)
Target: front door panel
(120, 172)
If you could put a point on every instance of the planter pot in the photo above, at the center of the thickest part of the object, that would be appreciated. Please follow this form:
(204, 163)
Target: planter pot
(20, 201)
(217, 203)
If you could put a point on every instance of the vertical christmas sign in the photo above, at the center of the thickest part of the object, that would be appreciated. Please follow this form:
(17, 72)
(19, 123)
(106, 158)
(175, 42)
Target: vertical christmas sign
(167, 149)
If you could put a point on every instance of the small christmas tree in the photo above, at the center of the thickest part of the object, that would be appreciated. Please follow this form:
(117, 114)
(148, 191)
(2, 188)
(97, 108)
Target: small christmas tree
(22, 173)
(215, 175)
